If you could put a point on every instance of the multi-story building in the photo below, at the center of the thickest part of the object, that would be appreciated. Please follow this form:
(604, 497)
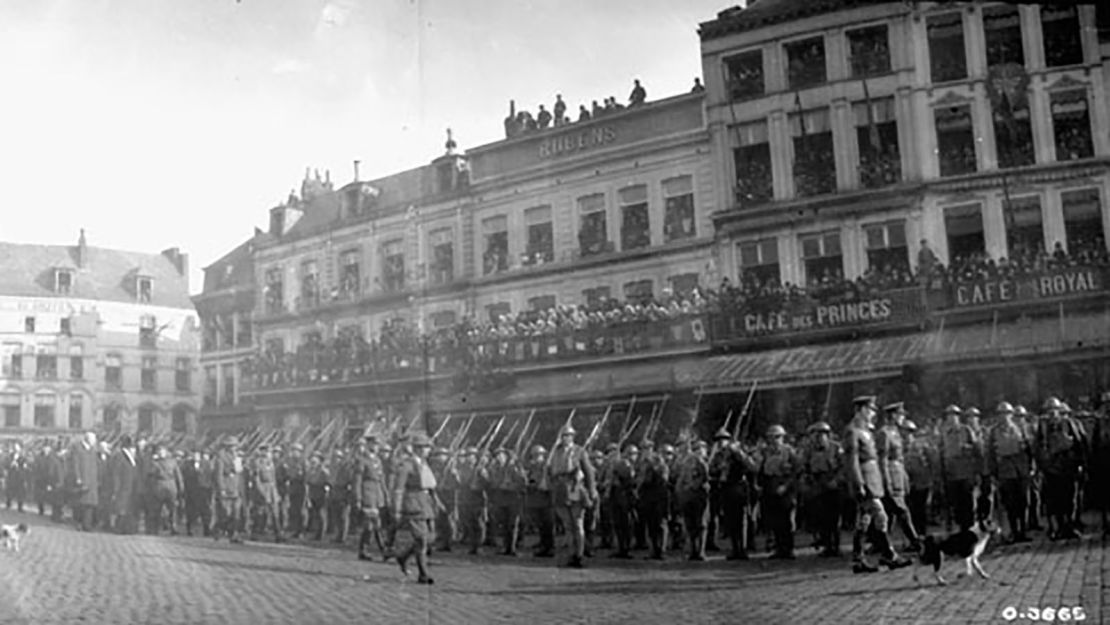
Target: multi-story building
(910, 166)
(94, 338)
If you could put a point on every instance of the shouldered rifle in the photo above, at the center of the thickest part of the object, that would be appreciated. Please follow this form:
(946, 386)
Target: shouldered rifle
(625, 435)
(597, 428)
(744, 412)
(627, 418)
(442, 427)
(520, 439)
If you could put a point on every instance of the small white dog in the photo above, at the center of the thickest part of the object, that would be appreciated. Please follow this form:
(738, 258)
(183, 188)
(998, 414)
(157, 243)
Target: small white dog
(10, 535)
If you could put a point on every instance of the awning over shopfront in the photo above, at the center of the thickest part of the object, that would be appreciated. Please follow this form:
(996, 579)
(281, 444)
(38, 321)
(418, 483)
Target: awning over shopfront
(985, 344)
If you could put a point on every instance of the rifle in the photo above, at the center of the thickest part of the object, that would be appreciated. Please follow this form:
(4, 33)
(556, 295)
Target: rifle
(484, 437)
(632, 429)
(489, 440)
(744, 412)
(597, 427)
(520, 439)
(531, 438)
(694, 415)
(509, 435)
(442, 427)
(628, 416)
(728, 420)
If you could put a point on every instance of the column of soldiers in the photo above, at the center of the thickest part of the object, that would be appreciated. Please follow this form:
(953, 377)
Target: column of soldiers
(1030, 470)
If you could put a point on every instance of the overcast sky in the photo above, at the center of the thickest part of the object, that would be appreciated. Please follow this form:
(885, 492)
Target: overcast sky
(161, 123)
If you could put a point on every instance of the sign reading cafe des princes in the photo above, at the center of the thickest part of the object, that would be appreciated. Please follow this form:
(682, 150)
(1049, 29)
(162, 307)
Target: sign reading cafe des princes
(875, 310)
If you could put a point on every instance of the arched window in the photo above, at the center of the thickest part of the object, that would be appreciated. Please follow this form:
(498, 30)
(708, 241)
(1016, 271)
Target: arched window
(179, 422)
(46, 407)
(146, 419)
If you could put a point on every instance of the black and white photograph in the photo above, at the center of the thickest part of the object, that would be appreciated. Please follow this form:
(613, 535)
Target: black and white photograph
(506, 311)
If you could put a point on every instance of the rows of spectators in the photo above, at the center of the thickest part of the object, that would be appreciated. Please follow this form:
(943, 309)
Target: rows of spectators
(523, 122)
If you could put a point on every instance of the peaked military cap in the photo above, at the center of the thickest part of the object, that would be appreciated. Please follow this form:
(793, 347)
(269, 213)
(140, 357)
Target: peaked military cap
(909, 426)
(865, 401)
(897, 406)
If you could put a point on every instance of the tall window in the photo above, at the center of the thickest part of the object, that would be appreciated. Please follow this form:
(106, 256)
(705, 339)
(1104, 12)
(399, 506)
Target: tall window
(63, 281)
(29, 325)
(964, 225)
(880, 161)
(393, 266)
(16, 369)
(1013, 135)
(596, 296)
(1071, 123)
(179, 420)
(210, 386)
(678, 209)
(1083, 221)
(635, 226)
(814, 161)
(46, 367)
(495, 238)
(1024, 232)
(64, 326)
(443, 256)
(310, 284)
(955, 140)
(46, 406)
(149, 373)
(1002, 32)
(274, 292)
(498, 310)
(76, 411)
(638, 291)
(228, 390)
(593, 237)
(183, 375)
(947, 58)
(243, 336)
(148, 330)
(146, 420)
(76, 363)
(541, 303)
(350, 277)
(113, 372)
(745, 75)
(759, 262)
(684, 284)
(822, 257)
(869, 51)
(144, 288)
(112, 420)
(805, 62)
(886, 247)
(540, 235)
(12, 409)
(752, 157)
(1063, 40)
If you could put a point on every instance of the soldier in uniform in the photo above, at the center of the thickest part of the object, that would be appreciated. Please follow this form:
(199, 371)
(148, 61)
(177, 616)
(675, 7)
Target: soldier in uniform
(740, 470)
(778, 472)
(639, 525)
(294, 473)
(341, 495)
(571, 478)
(718, 465)
(414, 491)
(621, 494)
(597, 517)
(823, 469)
(1100, 462)
(537, 499)
(19, 473)
(604, 467)
(318, 481)
(921, 470)
(227, 478)
(891, 450)
(675, 534)
(652, 488)
(265, 491)
(865, 482)
(1028, 423)
(369, 490)
(960, 460)
(1061, 446)
(447, 482)
(474, 480)
(507, 482)
(164, 481)
(692, 496)
(1010, 461)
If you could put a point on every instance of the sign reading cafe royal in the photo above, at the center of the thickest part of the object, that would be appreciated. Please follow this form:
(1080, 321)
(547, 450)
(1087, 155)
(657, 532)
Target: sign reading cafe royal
(1058, 283)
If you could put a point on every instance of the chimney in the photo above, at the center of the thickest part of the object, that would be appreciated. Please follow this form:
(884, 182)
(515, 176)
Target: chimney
(180, 261)
(356, 170)
(82, 250)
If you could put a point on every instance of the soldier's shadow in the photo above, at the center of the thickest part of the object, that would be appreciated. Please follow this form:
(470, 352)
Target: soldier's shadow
(239, 565)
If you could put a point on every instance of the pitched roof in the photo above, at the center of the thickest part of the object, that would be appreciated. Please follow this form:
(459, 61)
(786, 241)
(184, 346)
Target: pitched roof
(107, 274)
(234, 269)
(768, 12)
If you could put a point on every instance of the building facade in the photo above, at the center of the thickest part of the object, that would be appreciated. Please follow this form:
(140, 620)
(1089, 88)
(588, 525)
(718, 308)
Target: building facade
(94, 338)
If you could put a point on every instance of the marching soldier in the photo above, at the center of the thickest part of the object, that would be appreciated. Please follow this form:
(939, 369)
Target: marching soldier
(447, 482)
(621, 494)
(604, 468)
(474, 480)
(1028, 423)
(197, 480)
(506, 497)
(1061, 446)
(573, 489)
(165, 484)
(227, 479)
(652, 486)
(639, 525)
(865, 482)
(318, 481)
(265, 496)
(597, 519)
(823, 468)
(692, 497)
(921, 469)
(740, 469)
(718, 465)
(960, 460)
(778, 472)
(538, 502)
(416, 505)
(294, 473)
(673, 538)
(891, 450)
(1100, 462)
(369, 491)
(1010, 461)
(341, 495)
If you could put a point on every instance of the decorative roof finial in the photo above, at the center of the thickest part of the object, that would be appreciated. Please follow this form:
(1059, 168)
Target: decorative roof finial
(451, 145)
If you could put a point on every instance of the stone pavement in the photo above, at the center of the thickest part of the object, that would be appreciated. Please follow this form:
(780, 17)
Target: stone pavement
(64, 576)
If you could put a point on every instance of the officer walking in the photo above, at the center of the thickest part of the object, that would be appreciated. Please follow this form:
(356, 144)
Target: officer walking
(369, 491)
(571, 477)
(891, 450)
(415, 508)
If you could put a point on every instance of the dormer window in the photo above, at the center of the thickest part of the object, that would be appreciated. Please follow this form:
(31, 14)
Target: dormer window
(144, 287)
(63, 281)
(148, 331)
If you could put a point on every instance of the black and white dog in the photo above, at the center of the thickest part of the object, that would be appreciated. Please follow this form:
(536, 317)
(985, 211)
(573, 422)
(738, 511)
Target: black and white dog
(10, 535)
(968, 545)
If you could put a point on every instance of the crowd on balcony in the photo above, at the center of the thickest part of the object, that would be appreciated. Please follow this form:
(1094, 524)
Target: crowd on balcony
(524, 122)
(1085, 251)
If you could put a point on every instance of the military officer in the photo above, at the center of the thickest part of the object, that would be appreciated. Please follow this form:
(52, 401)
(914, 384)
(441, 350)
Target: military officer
(571, 478)
(227, 479)
(779, 467)
(265, 489)
(891, 449)
(865, 482)
(823, 472)
(960, 461)
(414, 491)
(1010, 462)
(369, 490)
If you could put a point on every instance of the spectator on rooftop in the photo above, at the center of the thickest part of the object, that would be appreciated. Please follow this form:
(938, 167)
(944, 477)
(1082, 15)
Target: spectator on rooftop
(698, 87)
(543, 118)
(560, 110)
(638, 95)
(583, 114)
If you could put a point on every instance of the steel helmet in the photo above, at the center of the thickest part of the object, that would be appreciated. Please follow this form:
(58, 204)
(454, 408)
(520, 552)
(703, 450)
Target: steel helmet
(1004, 407)
(909, 426)
(972, 411)
(666, 449)
(952, 409)
(722, 434)
(567, 429)
(1052, 403)
(1020, 411)
(776, 430)
(820, 426)
(538, 449)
